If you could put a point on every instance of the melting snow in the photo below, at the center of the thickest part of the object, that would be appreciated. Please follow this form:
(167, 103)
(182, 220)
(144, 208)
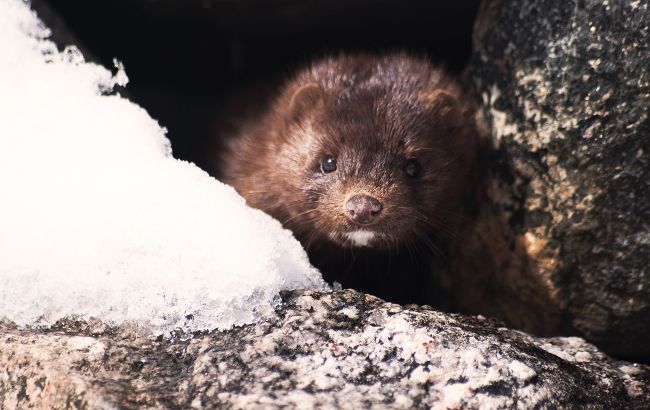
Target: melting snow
(98, 219)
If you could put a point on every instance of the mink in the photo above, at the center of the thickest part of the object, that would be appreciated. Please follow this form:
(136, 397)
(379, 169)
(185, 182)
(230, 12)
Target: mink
(368, 159)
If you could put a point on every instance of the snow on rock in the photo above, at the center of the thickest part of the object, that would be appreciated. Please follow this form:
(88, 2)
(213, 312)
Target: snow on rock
(98, 219)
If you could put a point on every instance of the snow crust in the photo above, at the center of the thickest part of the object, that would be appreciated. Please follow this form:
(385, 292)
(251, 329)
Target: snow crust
(98, 219)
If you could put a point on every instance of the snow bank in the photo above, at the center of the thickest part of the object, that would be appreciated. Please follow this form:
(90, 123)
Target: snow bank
(98, 219)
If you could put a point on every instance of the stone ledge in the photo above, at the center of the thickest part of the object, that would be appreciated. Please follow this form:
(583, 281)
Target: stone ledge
(342, 349)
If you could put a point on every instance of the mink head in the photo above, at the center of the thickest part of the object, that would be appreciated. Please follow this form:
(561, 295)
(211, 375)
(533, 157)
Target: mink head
(373, 153)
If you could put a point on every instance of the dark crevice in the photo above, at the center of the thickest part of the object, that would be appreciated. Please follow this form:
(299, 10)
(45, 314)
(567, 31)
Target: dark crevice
(194, 65)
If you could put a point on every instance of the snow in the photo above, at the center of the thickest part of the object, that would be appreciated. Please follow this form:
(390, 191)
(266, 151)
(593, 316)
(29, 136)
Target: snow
(98, 219)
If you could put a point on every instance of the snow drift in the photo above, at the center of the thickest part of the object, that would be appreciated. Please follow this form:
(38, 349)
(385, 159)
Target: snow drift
(98, 219)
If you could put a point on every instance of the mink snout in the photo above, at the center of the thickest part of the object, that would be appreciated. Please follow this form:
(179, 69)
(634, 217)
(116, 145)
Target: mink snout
(362, 209)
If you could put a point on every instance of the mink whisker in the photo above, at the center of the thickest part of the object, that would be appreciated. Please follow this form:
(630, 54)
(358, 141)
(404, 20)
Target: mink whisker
(298, 215)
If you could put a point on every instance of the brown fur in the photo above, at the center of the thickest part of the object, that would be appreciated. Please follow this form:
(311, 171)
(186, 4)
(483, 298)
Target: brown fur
(373, 113)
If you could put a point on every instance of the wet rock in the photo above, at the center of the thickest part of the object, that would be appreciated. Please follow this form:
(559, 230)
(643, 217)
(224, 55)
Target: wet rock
(342, 349)
(566, 90)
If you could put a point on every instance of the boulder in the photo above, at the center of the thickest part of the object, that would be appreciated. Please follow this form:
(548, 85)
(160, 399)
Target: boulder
(341, 349)
(565, 235)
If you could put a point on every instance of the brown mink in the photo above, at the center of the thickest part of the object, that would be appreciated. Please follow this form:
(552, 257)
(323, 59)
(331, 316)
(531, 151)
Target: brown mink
(367, 159)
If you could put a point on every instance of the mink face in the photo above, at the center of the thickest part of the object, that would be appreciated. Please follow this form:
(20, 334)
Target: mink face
(361, 152)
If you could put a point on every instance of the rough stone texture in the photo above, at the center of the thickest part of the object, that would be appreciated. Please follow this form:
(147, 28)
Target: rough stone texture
(341, 349)
(566, 91)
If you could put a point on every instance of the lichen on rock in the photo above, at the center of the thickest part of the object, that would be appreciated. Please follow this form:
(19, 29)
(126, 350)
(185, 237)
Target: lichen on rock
(566, 91)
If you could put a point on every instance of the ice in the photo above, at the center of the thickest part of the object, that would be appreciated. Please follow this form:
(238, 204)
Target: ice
(98, 219)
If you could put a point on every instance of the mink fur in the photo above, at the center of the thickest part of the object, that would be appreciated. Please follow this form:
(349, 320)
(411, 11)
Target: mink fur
(375, 116)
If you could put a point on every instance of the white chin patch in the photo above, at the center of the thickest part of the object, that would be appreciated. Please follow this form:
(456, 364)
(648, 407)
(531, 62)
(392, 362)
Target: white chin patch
(360, 237)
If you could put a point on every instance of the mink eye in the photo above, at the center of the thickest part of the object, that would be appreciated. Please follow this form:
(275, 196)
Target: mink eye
(328, 164)
(412, 168)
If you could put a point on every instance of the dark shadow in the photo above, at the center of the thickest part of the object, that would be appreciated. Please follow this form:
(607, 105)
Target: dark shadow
(193, 63)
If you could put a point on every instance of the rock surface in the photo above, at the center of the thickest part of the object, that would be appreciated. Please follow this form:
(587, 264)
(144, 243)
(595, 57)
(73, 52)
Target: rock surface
(341, 349)
(566, 91)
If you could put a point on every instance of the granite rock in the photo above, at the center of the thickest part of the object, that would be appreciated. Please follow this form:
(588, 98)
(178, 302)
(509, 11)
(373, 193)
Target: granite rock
(341, 349)
(565, 88)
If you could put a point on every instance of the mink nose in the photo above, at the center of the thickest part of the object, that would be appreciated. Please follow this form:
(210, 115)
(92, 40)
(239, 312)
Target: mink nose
(362, 209)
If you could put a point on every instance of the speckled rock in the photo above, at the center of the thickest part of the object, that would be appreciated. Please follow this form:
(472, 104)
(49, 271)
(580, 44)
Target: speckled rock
(566, 93)
(341, 349)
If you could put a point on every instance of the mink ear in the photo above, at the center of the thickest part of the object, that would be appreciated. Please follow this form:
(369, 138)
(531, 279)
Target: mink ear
(441, 102)
(305, 98)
